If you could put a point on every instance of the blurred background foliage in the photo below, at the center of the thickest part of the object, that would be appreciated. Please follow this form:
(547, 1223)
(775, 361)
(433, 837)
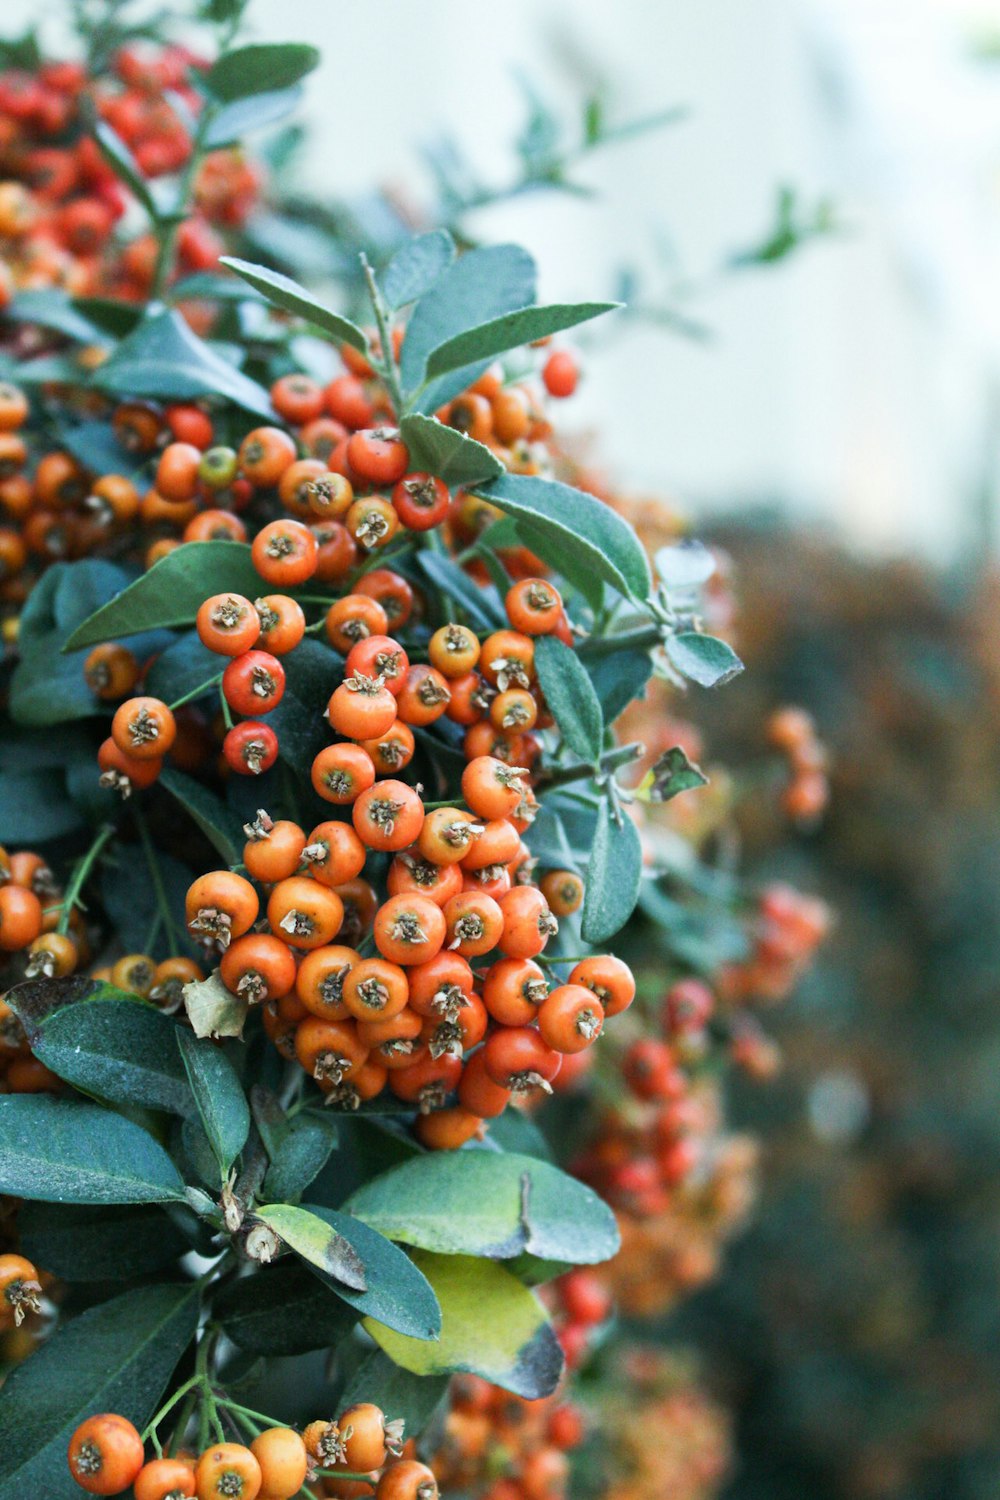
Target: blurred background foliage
(855, 1330)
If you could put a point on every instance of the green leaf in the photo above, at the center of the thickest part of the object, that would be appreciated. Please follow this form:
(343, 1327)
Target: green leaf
(171, 592)
(578, 535)
(570, 695)
(51, 308)
(36, 808)
(212, 1009)
(94, 1243)
(62, 1151)
(613, 876)
(133, 904)
(95, 446)
(491, 1326)
(110, 314)
(399, 1393)
(260, 68)
(671, 774)
(125, 167)
(618, 679)
(511, 331)
(318, 1242)
(219, 1096)
(299, 1157)
(211, 814)
(490, 1203)
(164, 358)
(184, 666)
(396, 1292)
(21, 52)
(49, 688)
(684, 565)
(483, 284)
(283, 292)
(516, 1131)
(452, 455)
(283, 1309)
(312, 671)
(415, 268)
(234, 121)
(703, 658)
(117, 1357)
(481, 606)
(121, 1051)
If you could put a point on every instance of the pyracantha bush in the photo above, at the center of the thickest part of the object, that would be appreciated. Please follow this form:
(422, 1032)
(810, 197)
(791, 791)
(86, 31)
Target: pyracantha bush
(317, 827)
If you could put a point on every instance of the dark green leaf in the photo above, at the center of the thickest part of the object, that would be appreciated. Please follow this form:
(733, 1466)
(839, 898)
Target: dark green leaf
(400, 1394)
(51, 308)
(171, 592)
(488, 1203)
(260, 68)
(397, 1294)
(312, 671)
(62, 1151)
(133, 904)
(283, 1309)
(491, 1326)
(125, 167)
(481, 607)
(299, 1157)
(415, 268)
(703, 658)
(672, 773)
(367, 1146)
(211, 286)
(219, 1096)
(36, 808)
(110, 314)
(516, 1131)
(49, 688)
(95, 446)
(94, 1243)
(122, 1051)
(117, 1357)
(210, 813)
(452, 455)
(283, 292)
(619, 678)
(37, 750)
(580, 536)
(164, 358)
(45, 369)
(509, 332)
(570, 696)
(613, 876)
(198, 1156)
(236, 120)
(21, 52)
(480, 285)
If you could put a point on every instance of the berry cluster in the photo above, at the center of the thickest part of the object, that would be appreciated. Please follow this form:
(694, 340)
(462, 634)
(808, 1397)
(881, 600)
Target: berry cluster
(457, 877)
(61, 201)
(793, 732)
(496, 1446)
(107, 1454)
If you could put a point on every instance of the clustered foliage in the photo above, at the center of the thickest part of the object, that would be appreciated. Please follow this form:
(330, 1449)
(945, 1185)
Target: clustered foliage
(316, 821)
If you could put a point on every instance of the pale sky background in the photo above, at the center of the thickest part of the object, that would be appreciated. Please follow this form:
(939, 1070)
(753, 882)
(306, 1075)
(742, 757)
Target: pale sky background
(859, 384)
